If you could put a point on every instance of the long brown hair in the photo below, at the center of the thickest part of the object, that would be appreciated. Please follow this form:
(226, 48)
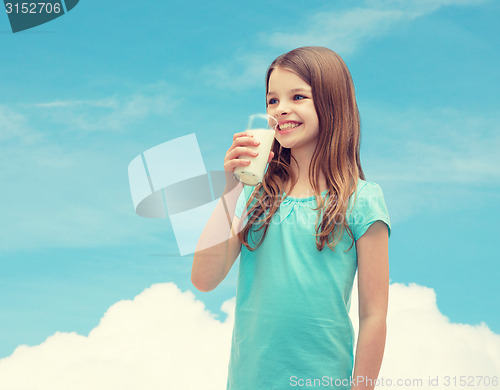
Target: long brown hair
(336, 154)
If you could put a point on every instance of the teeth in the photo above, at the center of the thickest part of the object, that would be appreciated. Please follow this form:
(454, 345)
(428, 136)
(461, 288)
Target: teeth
(289, 125)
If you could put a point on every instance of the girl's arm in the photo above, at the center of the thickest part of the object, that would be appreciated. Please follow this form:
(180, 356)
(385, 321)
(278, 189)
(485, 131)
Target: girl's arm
(218, 246)
(373, 291)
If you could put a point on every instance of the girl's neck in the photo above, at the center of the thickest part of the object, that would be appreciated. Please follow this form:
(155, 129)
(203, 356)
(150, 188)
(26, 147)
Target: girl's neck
(303, 187)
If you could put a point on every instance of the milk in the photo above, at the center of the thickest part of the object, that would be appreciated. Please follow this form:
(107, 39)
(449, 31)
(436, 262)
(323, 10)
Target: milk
(253, 173)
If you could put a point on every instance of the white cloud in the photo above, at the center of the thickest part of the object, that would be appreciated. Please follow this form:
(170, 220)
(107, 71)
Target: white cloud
(59, 179)
(419, 7)
(432, 161)
(345, 31)
(439, 145)
(166, 339)
(106, 102)
(54, 196)
(14, 125)
(422, 342)
(113, 113)
(245, 70)
(163, 339)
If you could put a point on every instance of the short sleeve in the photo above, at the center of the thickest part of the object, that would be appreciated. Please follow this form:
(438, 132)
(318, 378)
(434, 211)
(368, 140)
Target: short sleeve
(369, 206)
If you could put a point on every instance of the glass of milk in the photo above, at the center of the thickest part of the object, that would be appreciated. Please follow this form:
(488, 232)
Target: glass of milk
(262, 127)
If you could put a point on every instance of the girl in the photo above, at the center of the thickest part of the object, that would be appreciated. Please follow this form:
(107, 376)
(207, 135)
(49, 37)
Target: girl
(292, 325)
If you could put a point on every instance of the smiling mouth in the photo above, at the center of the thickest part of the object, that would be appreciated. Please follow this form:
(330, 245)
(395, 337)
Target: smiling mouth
(288, 126)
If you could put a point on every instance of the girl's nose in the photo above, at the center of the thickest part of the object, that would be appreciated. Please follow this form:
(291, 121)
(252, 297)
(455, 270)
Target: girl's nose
(281, 110)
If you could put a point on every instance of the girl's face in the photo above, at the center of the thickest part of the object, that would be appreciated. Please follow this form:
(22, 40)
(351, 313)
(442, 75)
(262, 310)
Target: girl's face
(290, 101)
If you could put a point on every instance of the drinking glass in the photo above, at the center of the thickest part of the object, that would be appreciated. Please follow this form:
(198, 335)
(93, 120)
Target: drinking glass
(262, 127)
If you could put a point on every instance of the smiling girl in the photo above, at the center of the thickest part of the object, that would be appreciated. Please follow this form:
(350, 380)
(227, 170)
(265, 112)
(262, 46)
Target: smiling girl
(302, 234)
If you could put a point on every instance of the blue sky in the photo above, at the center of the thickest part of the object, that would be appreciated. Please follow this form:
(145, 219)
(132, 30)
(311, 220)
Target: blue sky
(83, 95)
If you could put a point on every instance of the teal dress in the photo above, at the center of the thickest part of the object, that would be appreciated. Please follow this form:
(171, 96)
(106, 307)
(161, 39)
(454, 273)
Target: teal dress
(292, 325)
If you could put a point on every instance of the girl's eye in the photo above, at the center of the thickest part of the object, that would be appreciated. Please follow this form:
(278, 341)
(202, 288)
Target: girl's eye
(299, 97)
(273, 101)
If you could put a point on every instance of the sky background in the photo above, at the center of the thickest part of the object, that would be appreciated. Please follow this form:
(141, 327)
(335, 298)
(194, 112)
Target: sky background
(83, 95)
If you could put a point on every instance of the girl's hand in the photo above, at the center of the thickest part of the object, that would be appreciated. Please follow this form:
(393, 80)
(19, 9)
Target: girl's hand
(241, 147)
